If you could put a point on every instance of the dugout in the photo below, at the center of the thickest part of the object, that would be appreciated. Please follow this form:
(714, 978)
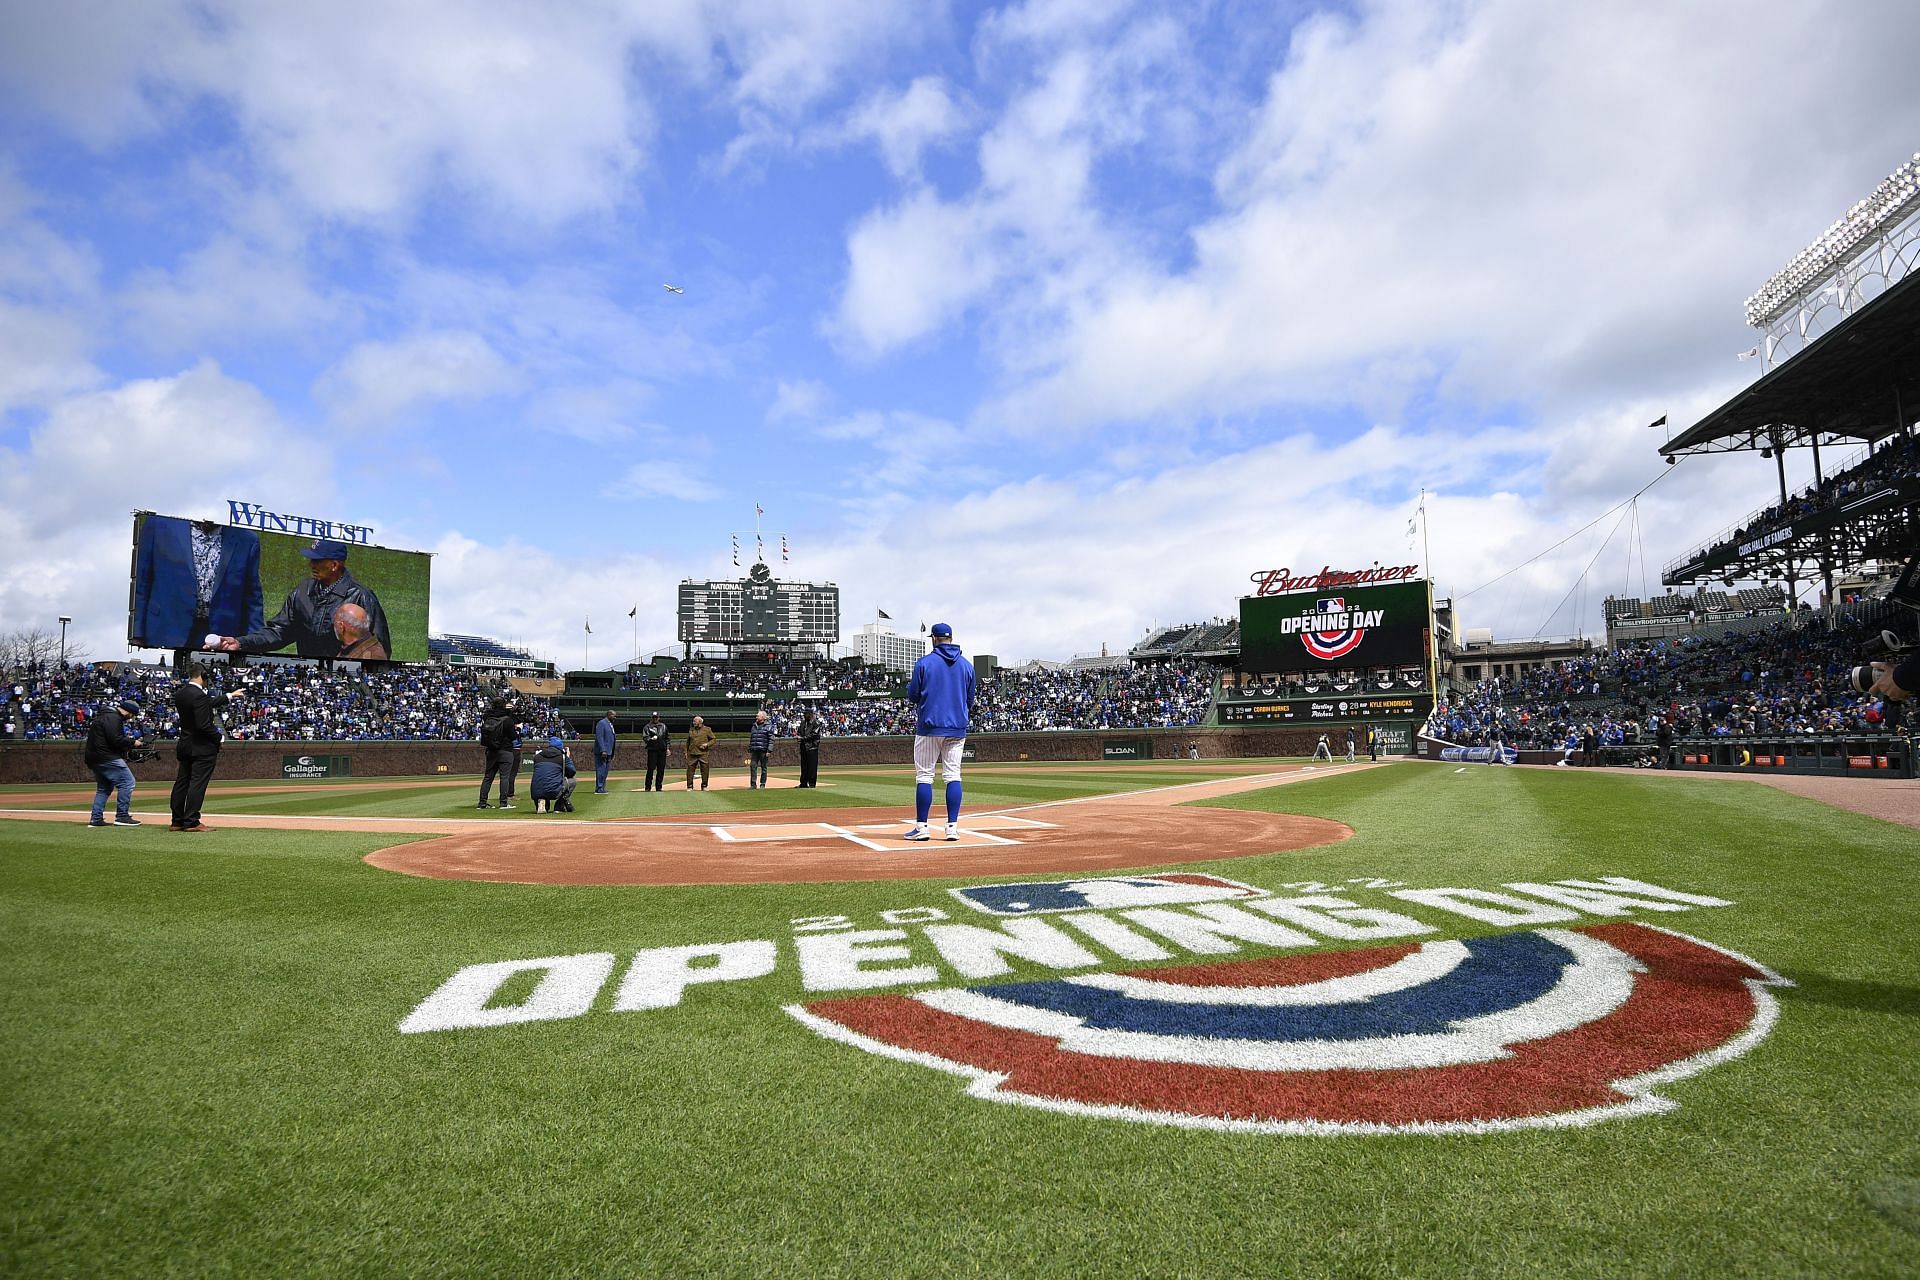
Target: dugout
(1877, 756)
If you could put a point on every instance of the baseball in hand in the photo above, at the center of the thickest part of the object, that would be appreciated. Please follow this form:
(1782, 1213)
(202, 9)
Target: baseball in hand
(211, 642)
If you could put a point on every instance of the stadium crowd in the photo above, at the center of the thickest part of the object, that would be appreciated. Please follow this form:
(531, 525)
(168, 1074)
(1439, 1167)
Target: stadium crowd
(286, 702)
(780, 675)
(1173, 694)
(281, 703)
(1780, 680)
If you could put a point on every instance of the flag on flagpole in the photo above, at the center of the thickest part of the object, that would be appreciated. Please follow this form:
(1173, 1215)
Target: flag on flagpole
(883, 613)
(589, 626)
(759, 510)
(1660, 421)
(632, 611)
(1748, 354)
(783, 548)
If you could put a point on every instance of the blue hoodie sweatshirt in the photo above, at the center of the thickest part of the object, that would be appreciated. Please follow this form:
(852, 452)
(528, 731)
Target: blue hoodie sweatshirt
(942, 688)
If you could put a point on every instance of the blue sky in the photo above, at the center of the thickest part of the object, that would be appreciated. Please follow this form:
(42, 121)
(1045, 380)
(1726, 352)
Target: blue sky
(1051, 319)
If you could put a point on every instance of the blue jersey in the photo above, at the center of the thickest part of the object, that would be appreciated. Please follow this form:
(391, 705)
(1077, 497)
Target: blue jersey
(942, 692)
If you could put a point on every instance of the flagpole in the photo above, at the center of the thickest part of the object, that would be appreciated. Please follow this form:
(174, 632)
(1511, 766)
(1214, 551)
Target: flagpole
(1426, 551)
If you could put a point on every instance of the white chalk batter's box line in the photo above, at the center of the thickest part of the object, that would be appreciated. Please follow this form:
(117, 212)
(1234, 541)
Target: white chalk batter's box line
(973, 833)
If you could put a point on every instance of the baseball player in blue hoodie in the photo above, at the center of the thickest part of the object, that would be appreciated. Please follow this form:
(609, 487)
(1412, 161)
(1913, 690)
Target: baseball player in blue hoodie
(942, 693)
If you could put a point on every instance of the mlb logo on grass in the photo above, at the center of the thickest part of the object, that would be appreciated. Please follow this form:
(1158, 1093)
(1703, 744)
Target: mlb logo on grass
(1039, 897)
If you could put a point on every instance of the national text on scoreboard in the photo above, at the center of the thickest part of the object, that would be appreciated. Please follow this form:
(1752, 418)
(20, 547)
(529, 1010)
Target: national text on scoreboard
(1349, 647)
(759, 609)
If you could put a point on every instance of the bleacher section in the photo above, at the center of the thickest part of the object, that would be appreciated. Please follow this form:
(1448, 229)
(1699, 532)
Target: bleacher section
(1217, 638)
(1705, 613)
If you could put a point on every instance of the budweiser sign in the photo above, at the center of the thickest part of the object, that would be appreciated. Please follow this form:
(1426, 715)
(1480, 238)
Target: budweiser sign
(1274, 582)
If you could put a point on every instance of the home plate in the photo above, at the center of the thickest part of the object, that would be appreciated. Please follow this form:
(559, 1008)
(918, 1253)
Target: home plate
(976, 831)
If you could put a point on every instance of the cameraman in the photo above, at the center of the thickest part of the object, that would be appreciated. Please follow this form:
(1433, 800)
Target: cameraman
(108, 746)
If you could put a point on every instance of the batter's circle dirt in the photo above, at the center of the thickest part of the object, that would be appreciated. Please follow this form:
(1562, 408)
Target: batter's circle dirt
(800, 846)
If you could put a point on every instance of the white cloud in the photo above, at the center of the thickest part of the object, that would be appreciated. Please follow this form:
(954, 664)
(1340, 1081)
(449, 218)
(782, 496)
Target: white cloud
(802, 399)
(1029, 239)
(225, 289)
(467, 597)
(361, 108)
(905, 123)
(43, 355)
(379, 382)
(1415, 191)
(661, 478)
(180, 445)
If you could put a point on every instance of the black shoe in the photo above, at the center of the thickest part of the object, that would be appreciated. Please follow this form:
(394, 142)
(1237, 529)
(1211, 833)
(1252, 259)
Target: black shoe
(96, 822)
(128, 821)
(483, 805)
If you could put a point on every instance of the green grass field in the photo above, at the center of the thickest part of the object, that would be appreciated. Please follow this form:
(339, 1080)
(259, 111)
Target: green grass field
(203, 1072)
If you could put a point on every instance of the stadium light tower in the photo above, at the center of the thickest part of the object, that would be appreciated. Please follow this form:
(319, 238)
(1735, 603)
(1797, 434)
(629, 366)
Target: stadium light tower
(63, 642)
(1842, 261)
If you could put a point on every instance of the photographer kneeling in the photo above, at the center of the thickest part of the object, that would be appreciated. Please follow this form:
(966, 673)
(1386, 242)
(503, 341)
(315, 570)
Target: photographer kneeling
(108, 746)
(553, 778)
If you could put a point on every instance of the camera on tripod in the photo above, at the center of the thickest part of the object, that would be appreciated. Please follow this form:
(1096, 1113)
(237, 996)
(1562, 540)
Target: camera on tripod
(137, 754)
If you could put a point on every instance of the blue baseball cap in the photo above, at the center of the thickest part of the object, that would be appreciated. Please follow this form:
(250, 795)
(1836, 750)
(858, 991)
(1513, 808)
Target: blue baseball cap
(128, 701)
(942, 631)
(325, 549)
(554, 741)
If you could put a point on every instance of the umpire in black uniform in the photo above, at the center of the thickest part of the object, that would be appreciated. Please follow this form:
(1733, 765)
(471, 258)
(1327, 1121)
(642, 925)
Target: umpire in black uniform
(499, 729)
(654, 736)
(198, 747)
(810, 749)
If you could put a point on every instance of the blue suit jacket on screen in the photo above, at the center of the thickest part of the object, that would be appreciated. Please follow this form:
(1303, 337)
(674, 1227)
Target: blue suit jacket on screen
(165, 592)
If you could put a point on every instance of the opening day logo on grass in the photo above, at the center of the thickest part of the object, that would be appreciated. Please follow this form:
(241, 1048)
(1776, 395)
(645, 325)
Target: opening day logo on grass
(1559, 1022)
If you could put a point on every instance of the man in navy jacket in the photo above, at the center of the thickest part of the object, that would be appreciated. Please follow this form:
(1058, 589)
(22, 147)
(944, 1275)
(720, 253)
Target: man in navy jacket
(942, 692)
(192, 580)
(605, 743)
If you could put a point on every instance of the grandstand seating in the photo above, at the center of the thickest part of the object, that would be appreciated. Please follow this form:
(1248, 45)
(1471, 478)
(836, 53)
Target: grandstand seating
(1736, 677)
(475, 647)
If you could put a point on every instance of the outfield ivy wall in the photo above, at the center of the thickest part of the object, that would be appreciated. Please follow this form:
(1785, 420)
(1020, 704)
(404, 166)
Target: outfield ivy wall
(59, 762)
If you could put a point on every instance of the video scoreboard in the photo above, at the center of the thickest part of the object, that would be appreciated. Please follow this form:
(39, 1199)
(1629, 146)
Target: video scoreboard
(759, 609)
(1333, 652)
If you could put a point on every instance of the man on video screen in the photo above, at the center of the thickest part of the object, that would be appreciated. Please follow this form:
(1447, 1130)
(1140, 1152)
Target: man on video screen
(307, 619)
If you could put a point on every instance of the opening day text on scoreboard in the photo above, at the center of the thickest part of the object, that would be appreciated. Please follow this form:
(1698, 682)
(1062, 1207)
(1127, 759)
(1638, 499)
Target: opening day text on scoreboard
(1344, 646)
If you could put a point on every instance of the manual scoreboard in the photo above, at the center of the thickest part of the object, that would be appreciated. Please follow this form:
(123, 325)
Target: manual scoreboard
(759, 609)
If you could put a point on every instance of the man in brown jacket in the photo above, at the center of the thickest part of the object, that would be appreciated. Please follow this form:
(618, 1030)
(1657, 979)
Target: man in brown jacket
(699, 741)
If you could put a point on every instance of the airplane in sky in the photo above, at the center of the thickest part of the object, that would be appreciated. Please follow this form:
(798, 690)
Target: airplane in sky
(673, 288)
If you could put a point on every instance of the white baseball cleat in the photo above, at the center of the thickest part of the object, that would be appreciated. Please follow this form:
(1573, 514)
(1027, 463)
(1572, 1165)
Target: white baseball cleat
(917, 832)
(953, 831)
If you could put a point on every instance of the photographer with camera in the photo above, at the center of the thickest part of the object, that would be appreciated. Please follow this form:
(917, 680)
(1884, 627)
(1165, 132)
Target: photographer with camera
(109, 744)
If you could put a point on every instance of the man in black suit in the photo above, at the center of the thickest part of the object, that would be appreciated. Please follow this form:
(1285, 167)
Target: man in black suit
(810, 734)
(198, 747)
